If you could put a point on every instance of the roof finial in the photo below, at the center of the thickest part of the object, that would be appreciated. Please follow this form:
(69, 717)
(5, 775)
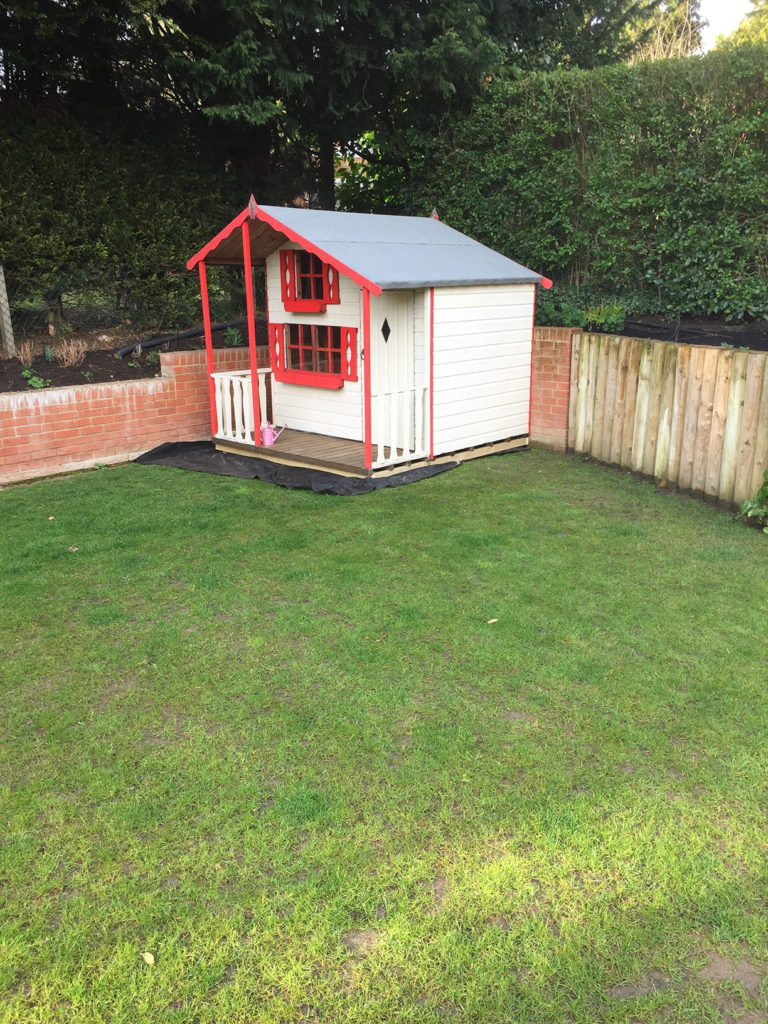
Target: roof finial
(252, 207)
(434, 215)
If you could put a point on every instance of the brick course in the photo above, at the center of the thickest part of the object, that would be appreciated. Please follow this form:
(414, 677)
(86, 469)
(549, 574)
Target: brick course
(550, 386)
(65, 429)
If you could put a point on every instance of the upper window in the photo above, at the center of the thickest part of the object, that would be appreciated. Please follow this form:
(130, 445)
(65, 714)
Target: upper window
(307, 285)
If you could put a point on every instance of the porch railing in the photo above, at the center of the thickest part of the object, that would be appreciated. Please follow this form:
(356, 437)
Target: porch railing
(234, 404)
(399, 426)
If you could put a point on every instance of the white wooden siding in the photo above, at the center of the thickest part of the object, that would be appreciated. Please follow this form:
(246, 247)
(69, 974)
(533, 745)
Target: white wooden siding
(482, 364)
(335, 413)
(420, 340)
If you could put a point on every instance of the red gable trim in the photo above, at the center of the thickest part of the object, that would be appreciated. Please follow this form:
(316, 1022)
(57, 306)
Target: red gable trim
(294, 236)
(255, 212)
(224, 233)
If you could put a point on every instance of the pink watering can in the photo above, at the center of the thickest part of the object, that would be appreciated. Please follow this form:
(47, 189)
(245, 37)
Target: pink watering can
(268, 435)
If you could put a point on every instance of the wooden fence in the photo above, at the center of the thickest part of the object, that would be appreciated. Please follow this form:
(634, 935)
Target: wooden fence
(692, 417)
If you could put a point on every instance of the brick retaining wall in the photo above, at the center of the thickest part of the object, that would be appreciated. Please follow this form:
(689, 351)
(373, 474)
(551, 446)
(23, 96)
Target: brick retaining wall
(551, 386)
(60, 430)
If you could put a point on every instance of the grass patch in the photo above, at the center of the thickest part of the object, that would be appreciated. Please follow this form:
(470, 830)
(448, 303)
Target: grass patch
(272, 739)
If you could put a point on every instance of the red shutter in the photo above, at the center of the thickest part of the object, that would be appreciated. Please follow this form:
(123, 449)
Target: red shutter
(287, 276)
(348, 353)
(331, 279)
(277, 347)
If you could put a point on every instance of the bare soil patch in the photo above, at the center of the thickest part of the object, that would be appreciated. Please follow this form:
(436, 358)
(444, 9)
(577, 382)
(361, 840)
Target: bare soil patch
(725, 969)
(654, 981)
(361, 942)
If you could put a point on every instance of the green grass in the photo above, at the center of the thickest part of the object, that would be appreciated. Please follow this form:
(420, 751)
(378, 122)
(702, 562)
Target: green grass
(272, 739)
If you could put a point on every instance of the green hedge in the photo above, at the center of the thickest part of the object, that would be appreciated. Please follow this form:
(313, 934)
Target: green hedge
(105, 216)
(646, 183)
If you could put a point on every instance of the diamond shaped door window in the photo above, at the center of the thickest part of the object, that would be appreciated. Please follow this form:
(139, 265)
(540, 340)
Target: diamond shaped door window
(386, 330)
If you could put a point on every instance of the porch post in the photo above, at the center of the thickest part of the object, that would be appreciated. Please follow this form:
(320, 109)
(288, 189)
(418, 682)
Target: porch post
(208, 345)
(431, 373)
(254, 359)
(367, 376)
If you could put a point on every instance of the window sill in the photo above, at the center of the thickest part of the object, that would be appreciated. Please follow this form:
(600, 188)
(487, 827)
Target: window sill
(304, 305)
(307, 378)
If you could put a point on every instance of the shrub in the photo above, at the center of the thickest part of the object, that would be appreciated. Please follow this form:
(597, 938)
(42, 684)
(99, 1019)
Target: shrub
(757, 507)
(645, 184)
(26, 352)
(71, 352)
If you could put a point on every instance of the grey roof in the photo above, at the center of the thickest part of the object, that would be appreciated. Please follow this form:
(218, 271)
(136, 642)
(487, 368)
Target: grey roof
(402, 252)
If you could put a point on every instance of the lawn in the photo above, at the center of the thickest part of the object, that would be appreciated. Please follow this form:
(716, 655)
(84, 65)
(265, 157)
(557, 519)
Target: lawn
(489, 748)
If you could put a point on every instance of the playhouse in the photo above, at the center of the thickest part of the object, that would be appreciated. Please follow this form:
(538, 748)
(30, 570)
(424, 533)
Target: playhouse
(392, 341)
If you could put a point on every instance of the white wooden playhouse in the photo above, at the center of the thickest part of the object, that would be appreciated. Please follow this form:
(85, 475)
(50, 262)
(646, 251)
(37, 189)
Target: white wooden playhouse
(392, 340)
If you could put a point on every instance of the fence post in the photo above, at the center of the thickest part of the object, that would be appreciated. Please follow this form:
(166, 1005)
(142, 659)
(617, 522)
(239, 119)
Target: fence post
(7, 344)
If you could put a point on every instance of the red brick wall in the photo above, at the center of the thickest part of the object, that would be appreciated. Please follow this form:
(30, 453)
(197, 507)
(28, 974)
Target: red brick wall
(550, 386)
(65, 429)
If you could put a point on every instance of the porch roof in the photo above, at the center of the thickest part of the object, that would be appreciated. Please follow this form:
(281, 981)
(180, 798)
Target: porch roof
(379, 252)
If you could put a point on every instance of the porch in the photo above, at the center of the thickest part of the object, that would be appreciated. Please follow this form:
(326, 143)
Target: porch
(399, 429)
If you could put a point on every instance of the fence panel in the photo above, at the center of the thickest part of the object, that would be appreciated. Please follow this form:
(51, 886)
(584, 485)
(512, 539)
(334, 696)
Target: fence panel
(690, 416)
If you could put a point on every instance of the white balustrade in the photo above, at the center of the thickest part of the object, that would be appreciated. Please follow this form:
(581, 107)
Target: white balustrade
(234, 405)
(399, 426)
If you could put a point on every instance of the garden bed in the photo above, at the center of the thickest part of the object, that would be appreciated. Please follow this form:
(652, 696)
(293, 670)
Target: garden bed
(102, 364)
(751, 334)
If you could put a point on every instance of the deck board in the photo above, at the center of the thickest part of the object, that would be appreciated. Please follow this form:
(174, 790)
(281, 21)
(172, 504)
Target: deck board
(347, 458)
(299, 447)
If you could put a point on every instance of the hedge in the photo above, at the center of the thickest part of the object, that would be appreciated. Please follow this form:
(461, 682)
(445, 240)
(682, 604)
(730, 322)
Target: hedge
(646, 183)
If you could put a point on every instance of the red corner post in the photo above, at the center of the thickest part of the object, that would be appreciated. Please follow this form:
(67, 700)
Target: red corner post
(248, 269)
(208, 346)
(432, 369)
(367, 376)
(530, 382)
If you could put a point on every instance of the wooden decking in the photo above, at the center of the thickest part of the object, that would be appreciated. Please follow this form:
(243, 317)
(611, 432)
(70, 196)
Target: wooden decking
(300, 448)
(347, 458)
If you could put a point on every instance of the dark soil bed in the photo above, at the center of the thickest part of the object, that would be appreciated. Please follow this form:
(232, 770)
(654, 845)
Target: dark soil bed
(101, 365)
(700, 331)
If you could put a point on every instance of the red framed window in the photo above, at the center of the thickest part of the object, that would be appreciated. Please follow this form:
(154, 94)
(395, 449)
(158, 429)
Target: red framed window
(314, 354)
(307, 285)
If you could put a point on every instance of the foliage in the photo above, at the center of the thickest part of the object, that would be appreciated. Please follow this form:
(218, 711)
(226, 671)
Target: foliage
(272, 86)
(647, 184)
(33, 380)
(757, 507)
(752, 29)
(606, 316)
(108, 213)
(672, 29)
(316, 784)
(233, 336)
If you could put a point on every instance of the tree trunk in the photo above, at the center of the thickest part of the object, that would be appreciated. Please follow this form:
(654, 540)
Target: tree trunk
(326, 191)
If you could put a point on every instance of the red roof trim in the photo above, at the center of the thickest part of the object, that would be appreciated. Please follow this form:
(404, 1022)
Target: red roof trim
(254, 211)
(224, 233)
(294, 236)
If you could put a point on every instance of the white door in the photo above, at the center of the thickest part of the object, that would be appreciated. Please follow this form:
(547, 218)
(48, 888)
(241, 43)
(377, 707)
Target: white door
(392, 369)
